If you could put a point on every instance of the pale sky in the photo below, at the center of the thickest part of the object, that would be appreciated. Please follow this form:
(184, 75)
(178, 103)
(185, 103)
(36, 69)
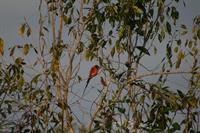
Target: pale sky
(12, 13)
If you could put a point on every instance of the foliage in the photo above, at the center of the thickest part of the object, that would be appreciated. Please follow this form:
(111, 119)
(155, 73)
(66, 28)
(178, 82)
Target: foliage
(38, 89)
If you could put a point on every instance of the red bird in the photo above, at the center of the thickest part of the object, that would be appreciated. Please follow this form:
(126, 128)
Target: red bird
(93, 72)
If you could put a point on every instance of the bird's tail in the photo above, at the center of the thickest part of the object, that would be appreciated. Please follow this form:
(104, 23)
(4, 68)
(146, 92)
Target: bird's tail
(86, 86)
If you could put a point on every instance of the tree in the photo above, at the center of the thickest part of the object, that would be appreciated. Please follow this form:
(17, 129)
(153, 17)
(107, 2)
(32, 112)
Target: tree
(121, 36)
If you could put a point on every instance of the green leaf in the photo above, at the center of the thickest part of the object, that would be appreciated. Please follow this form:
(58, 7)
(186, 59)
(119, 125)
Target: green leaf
(174, 14)
(178, 42)
(112, 51)
(118, 47)
(121, 110)
(169, 54)
(180, 93)
(198, 34)
(102, 43)
(21, 81)
(137, 10)
(110, 33)
(155, 50)
(168, 28)
(28, 32)
(159, 37)
(46, 29)
(175, 49)
(1, 46)
(143, 50)
(79, 78)
(190, 44)
(183, 27)
(9, 109)
(176, 126)
(35, 79)
(12, 51)
(3, 114)
(52, 8)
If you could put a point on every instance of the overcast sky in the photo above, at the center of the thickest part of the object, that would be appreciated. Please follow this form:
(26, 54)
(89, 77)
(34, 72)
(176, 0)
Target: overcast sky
(12, 13)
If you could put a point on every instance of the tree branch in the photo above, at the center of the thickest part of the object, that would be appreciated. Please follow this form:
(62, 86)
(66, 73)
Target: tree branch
(158, 73)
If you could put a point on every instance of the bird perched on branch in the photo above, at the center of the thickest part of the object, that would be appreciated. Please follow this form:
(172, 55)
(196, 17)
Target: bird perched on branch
(93, 72)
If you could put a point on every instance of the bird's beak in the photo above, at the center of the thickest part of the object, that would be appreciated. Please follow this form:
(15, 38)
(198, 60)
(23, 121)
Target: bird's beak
(100, 69)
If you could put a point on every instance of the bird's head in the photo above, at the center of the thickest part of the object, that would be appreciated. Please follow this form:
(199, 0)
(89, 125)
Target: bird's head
(98, 67)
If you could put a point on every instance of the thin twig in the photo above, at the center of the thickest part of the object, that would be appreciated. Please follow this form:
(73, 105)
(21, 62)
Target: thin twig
(158, 73)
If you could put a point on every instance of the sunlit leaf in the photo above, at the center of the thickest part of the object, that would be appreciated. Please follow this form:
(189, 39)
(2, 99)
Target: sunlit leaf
(121, 32)
(89, 55)
(21, 81)
(19, 61)
(55, 64)
(180, 56)
(62, 105)
(142, 98)
(26, 49)
(79, 48)
(1, 46)
(118, 47)
(184, 32)
(21, 30)
(67, 19)
(192, 102)
(41, 110)
(194, 28)
(137, 10)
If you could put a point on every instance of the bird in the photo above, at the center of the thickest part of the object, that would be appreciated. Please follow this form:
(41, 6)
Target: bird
(93, 72)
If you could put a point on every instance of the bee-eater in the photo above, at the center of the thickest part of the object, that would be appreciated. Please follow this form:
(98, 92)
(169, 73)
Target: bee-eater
(93, 72)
